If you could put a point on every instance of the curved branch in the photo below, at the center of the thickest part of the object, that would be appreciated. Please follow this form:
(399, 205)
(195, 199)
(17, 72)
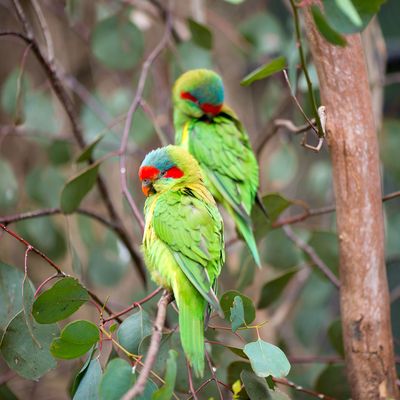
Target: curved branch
(55, 82)
(151, 356)
(29, 247)
(128, 123)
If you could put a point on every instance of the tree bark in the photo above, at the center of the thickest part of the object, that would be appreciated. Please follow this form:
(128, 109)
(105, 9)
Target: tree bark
(351, 136)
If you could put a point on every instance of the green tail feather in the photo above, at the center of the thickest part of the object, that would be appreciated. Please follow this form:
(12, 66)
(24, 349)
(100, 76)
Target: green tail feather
(191, 325)
(245, 229)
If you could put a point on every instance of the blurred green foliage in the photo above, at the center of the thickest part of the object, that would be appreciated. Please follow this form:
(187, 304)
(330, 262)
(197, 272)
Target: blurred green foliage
(103, 45)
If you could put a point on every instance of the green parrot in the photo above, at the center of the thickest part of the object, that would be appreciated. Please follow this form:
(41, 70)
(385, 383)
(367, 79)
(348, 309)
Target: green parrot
(183, 241)
(213, 134)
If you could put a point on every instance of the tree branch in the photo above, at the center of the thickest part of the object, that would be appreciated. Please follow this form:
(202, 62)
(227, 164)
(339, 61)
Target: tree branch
(55, 82)
(134, 305)
(29, 248)
(320, 211)
(151, 356)
(135, 104)
(315, 258)
(299, 388)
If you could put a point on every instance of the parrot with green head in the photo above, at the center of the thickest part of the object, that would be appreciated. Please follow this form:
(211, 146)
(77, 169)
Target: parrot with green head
(213, 134)
(183, 242)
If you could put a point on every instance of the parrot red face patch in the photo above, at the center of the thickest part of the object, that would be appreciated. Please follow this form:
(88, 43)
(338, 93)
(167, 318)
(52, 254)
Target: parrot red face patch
(188, 96)
(174, 173)
(148, 172)
(211, 108)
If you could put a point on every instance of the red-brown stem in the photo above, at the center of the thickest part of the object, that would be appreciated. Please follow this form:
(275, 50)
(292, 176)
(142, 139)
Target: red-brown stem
(134, 305)
(285, 382)
(29, 248)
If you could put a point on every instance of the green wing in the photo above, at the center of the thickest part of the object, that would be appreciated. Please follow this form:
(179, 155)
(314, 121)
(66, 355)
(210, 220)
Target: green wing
(223, 151)
(194, 232)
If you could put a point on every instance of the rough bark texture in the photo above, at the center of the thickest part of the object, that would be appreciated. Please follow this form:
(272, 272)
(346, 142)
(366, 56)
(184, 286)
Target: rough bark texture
(352, 139)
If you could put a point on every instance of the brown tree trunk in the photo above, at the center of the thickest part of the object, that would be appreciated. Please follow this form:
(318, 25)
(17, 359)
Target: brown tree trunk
(351, 136)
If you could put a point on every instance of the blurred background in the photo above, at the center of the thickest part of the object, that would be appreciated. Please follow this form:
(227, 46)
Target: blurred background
(99, 49)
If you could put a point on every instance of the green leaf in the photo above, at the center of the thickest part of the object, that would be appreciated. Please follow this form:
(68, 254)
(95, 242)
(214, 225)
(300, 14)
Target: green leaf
(267, 359)
(38, 182)
(280, 252)
(275, 204)
(325, 29)
(9, 92)
(274, 288)
(60, 301)
(350, 11)
(162, 356)
(40, 113)
(27, 352)
(88, 388)
(118, 378)
(265, 34)
(8, 186)
(43, 234)
(201, 35)
(82, 372)
(237, 313)
(10, 294)
(59, 152)
(227, 301)
(105, 267)
(235, 369)
(266, 70)
(350, 16)
(236, 350)
(76, 339)
(335, 336)
(193, 56)
(283, 165)
(117, 43)
(166, 391)
(333, 382)
(78, 187)
(87, 152)
(133, 330)
(257, 388)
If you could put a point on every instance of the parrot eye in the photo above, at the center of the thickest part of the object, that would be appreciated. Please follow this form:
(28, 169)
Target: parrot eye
(146, 181)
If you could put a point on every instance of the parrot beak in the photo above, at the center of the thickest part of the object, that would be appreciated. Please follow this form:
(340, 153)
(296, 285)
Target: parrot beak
(147, 188)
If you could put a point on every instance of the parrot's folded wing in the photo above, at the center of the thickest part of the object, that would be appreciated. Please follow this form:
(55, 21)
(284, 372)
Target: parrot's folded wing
(193, 231)
(199, 278)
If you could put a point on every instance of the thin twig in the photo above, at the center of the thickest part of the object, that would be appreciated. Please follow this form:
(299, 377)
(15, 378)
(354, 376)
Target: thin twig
(149, 111)
(190, 378)
(134, 305)
(8, 219)
(299, 388)
(29, 248)
(151, 356)
(311, 125)
(316, 359)
(45, 30)
(135, 104)
(214, 375)
(320, 211)
(61, 93)
(320, 132)
(315, 258)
